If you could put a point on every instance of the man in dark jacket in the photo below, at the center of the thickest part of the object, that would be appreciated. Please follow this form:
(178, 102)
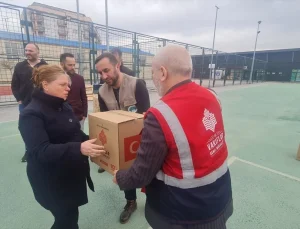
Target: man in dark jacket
(77, 96)
(21, 84)
(118, 54)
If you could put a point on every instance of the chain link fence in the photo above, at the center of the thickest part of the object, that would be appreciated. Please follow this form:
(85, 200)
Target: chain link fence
(57, 31)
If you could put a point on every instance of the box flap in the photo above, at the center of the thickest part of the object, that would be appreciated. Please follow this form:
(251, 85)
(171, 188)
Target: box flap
(130, 114)
(117, 116)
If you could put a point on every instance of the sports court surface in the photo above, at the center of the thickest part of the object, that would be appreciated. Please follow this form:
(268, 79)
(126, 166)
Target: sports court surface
(262, 124)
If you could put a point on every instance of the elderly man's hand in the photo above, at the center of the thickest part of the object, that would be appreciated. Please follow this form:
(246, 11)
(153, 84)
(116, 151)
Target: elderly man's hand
(115, 177)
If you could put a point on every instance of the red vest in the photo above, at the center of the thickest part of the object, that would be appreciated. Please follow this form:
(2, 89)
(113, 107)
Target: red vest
(191, 119)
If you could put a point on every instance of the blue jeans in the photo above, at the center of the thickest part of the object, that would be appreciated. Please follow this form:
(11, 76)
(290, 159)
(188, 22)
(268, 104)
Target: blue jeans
(21, 107)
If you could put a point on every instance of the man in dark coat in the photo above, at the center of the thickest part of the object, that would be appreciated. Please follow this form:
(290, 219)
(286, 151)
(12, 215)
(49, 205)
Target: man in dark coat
(21, 84)
(77, 96)
(118, 54)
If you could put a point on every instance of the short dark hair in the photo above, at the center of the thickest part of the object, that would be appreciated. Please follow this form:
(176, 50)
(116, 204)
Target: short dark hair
(117, 50)
(64, 56)
(112, 59)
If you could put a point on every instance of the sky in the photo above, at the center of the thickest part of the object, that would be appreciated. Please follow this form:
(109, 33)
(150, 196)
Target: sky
(192, 21)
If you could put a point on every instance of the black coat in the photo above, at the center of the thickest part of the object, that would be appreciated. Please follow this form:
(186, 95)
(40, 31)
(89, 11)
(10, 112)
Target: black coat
(22, 84)
(56, 169)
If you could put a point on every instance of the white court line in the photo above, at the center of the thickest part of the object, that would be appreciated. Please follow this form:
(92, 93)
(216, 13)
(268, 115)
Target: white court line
(9, 121)
(267, 169)
(10, 136)
(231, 160)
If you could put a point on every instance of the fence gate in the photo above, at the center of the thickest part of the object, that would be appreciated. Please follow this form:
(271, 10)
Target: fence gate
(12, 44)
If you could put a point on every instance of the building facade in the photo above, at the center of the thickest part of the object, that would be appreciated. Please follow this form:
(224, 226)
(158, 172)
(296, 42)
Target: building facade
(282, 64)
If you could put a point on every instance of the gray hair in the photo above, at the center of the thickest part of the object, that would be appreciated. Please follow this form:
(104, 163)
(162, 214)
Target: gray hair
(175, 59)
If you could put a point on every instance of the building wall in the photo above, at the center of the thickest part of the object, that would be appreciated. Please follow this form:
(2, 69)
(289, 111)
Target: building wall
(280, 63)
(12, 52)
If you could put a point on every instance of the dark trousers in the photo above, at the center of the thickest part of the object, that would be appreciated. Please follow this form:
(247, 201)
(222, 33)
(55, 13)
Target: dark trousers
(21, 108)
(65, 218)
(130, 194)
(157, 221)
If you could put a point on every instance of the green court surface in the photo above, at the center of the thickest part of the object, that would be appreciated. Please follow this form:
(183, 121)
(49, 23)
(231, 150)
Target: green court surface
(262, 125)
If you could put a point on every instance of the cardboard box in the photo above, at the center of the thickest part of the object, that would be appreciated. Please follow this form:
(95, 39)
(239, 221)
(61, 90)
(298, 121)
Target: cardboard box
(119, 132)
(298, 154)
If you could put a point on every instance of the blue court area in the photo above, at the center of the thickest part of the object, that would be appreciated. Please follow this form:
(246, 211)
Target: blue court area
(262, 124)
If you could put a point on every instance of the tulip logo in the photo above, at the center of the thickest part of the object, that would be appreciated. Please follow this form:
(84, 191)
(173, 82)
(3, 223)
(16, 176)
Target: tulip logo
(102, 137)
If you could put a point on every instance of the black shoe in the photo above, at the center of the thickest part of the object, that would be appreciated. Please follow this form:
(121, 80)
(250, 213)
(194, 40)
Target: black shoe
(24, 158)
(129, 208)
(100, 170)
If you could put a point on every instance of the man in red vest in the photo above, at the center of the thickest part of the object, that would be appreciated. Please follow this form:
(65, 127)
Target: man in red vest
(182, 158)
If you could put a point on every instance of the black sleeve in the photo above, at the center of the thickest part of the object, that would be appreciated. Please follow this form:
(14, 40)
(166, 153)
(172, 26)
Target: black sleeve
(142, 96)
(15, 84)
(83, 97)
(84, 136)
(37, 141)
(127, 71)
(132, 73)
(102, 104)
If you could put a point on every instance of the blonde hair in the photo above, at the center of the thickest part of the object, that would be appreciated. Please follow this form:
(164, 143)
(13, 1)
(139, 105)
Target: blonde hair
(46, 73)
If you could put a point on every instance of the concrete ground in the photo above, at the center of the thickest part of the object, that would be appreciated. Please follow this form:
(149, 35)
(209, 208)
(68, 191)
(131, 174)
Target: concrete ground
(262, 133)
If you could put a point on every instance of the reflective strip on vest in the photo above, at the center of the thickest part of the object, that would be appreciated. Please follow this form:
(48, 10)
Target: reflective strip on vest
(184, 151)
(180, 138)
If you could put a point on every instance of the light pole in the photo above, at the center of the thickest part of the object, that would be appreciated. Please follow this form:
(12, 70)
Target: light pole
(250, 79)
(106, 19)
(79, 39)
(212, 52)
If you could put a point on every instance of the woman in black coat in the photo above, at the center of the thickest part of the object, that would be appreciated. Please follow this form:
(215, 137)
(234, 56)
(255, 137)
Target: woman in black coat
(57, 150)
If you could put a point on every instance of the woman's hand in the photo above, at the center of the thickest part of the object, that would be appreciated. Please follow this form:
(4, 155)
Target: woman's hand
(88, 148)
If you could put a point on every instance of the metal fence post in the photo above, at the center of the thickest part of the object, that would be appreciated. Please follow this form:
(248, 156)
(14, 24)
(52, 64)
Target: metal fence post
(202, 70)
(215, 69)
(134, 53)
(79, 39)
(138, 60)
(164, 42)
(226, 71)
(93, 52)
(26, 24)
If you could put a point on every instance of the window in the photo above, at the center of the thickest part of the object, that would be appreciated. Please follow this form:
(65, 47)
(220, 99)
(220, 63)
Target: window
(14, 50)
(62, 30)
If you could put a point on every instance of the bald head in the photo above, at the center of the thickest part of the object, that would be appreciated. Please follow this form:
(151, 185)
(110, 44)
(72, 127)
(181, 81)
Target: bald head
(170, 66)
(175, 59)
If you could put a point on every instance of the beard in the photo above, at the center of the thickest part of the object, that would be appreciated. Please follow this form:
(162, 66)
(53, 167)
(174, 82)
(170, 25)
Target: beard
(158, 88)
(31, 58)
(70, 73)
(113, 82)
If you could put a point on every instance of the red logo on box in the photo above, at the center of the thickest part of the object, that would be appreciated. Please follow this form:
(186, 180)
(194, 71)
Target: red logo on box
(131, 145)
(102, 137)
